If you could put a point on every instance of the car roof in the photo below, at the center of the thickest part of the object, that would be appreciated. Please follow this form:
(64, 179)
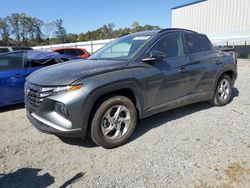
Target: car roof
(180, 30)
(14, 47)
(67, 48)
(160, 31)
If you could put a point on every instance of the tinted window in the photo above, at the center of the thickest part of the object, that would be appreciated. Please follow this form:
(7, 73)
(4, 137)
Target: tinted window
(11, 61)
(170, 45)
(80, 52)
(60, 51)
(197, 43)
(74, 52)
(4, 50)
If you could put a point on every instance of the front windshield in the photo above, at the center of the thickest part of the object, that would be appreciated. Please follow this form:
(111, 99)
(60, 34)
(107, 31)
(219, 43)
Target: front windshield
(121, 49)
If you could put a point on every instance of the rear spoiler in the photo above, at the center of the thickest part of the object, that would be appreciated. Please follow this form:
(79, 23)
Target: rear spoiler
(226, 49)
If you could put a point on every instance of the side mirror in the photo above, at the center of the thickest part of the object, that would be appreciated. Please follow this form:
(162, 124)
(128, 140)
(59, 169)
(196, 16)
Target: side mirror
(154, 56)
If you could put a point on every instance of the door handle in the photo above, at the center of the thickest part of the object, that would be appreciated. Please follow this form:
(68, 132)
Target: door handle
(182, 70)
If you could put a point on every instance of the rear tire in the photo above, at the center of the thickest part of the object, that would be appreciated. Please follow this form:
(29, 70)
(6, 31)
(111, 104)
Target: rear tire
(114, 122)
(223, 91)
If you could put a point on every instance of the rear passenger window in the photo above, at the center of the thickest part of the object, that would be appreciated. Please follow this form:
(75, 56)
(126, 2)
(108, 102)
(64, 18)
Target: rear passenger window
(197, 43)
(60, 52)
(171, 45)
(74, 52)
(80, 52)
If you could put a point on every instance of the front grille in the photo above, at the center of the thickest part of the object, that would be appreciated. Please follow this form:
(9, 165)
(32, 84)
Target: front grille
(34, 95)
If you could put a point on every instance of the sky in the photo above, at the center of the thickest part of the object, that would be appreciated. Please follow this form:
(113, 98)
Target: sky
(87, 15)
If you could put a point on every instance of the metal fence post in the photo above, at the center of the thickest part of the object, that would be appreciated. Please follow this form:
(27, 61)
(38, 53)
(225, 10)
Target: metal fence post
(92, 48)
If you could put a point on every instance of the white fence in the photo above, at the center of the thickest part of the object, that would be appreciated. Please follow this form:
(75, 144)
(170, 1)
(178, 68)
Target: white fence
(90, 46)
(93, 46)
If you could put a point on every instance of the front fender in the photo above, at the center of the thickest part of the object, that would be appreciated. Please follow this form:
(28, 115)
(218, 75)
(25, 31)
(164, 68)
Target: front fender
(103, 84)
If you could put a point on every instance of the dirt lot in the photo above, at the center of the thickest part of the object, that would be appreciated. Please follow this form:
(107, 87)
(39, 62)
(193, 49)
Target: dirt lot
(194, 146)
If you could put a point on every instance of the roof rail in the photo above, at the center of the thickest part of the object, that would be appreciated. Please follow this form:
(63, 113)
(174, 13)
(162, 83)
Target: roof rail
(176, 29)
(124, 34)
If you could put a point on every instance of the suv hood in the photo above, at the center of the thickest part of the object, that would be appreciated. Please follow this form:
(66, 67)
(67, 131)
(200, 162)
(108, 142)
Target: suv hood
(67, 73)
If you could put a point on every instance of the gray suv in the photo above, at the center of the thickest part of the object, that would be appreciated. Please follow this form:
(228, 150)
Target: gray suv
(133, 77)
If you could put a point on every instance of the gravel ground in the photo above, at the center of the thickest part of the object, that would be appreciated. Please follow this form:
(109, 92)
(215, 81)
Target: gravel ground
(194, 146)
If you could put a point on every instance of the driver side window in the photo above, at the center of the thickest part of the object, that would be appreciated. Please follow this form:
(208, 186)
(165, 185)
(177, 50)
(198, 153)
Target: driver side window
(11, 61)
(170, 45)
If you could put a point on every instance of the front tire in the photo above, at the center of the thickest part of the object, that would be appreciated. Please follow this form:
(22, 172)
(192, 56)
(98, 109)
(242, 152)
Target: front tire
(114, 122)
(223, 91)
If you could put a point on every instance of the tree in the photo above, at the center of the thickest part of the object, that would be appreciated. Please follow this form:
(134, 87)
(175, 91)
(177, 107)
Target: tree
(14, 22)
(61, 32)
(105, 29)
(49, 30)
(111, 29)
(135, 26)
(26, 30)
(4, 31)
(37, 28)
(150, 27)
(21, 29)
(72, 37)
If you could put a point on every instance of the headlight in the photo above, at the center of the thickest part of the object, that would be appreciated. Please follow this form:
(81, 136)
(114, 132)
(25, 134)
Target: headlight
(55, 90)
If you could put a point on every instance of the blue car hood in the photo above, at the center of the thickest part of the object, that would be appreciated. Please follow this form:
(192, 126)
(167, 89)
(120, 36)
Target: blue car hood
(42, 55)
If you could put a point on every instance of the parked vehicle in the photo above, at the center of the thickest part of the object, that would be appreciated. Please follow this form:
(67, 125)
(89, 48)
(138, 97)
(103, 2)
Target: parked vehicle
(133, 77)
(79, 52)
(4, 49)
(16, 66)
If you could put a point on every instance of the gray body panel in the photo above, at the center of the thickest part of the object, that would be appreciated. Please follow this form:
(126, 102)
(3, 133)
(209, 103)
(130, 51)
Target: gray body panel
(157, 87)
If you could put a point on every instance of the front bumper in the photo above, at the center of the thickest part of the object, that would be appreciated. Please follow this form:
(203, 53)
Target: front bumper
(46, 118)
(45, 127)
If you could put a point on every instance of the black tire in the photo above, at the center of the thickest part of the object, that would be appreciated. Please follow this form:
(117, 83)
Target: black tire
(97, 127)
(217, 99)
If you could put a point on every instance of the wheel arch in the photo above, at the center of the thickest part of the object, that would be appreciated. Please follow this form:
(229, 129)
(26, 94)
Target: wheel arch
(229, 72)
(98, 95)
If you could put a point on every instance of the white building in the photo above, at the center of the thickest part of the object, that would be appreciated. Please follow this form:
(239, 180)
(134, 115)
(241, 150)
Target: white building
(226, 22)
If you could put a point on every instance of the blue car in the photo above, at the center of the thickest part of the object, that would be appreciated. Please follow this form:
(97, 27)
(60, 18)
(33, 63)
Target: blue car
(16, 66)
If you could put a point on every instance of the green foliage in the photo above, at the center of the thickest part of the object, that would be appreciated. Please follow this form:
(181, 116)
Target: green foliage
(60, 33)
(23, 30)
(4, 30)
(107, 31)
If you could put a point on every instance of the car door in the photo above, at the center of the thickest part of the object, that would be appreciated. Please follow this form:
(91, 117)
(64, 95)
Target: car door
(12, 78)
(170, 81)
(202, 58)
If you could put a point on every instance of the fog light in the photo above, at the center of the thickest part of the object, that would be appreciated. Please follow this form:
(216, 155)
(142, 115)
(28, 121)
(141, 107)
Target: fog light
(61, 109)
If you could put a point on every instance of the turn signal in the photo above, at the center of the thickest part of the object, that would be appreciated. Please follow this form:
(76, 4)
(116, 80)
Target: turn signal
(73, 88)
